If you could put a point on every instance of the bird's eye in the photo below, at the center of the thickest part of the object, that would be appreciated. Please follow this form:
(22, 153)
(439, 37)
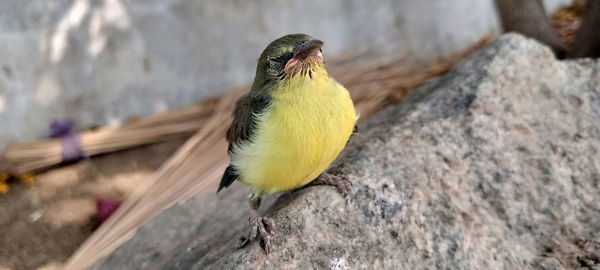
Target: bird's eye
(274, 64)
(321, 50)
(279, 62)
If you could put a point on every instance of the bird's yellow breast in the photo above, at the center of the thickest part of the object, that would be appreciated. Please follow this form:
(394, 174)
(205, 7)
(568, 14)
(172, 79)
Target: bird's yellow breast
(298, 137)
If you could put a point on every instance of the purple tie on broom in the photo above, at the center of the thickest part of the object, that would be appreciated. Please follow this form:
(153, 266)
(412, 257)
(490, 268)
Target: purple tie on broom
(70, 142)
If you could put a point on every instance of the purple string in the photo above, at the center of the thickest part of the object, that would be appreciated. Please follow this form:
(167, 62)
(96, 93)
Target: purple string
(71, 147)
(60, 128)
(70, 141)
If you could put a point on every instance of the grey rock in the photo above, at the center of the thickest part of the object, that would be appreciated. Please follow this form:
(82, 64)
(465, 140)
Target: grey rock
(495, 165)
(100, 62)
(551, 264)
(553, 5)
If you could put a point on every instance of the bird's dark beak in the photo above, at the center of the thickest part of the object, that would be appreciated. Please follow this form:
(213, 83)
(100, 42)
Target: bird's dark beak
(302, 53)
(307, 48)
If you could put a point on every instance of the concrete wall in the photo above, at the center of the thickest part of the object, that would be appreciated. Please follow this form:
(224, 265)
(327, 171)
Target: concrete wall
(98, 62)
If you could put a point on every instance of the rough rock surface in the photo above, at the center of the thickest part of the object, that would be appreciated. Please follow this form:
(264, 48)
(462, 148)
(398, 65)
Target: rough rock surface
(99, 62)
(495, 165)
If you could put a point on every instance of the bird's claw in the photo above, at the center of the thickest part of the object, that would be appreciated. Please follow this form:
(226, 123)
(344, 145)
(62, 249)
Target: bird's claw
(262, 229)
(341, 182)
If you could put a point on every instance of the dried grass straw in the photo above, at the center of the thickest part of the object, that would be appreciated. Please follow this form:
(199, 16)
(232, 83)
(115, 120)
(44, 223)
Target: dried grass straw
(197, 166)
(34, 156)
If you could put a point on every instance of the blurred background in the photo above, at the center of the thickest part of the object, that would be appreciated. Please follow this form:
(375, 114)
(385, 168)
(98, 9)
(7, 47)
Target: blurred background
(96, 63)
(100, 62)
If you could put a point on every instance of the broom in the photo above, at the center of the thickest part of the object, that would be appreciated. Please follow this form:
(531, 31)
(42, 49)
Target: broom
(198, 165)
(22, 158)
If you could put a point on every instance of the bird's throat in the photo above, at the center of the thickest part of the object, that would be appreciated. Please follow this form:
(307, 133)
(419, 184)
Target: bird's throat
(306, 66)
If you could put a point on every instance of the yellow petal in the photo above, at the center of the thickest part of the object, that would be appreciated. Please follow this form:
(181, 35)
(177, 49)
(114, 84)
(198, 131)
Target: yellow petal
(3, 188)
(27, 178)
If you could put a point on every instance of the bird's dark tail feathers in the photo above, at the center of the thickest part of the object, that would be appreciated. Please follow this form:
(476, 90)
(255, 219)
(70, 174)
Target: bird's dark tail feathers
(228, 177)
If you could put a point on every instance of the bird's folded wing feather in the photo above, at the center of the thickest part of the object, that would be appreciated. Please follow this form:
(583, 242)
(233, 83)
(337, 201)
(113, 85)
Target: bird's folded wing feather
(245, 114)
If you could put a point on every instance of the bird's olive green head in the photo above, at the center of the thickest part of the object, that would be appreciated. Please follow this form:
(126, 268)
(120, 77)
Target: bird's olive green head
(286, 57)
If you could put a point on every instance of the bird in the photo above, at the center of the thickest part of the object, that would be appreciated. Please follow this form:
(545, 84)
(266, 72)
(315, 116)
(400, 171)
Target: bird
(288, 129)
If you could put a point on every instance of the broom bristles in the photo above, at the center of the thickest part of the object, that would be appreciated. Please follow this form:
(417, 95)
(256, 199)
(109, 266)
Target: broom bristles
(146, 199)
(34, 156)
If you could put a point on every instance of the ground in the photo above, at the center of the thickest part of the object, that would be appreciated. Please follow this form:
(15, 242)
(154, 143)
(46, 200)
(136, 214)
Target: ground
(41, 225)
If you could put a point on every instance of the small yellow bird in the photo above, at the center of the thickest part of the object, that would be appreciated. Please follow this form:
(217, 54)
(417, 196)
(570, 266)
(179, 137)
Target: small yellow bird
(288, 129)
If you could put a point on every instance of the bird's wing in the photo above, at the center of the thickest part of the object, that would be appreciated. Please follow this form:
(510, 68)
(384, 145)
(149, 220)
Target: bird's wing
(247, 108)
(244, 117)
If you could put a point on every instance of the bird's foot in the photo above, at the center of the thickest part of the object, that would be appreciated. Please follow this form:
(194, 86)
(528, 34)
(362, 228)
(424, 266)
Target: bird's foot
(262, 229)
(342, 183)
